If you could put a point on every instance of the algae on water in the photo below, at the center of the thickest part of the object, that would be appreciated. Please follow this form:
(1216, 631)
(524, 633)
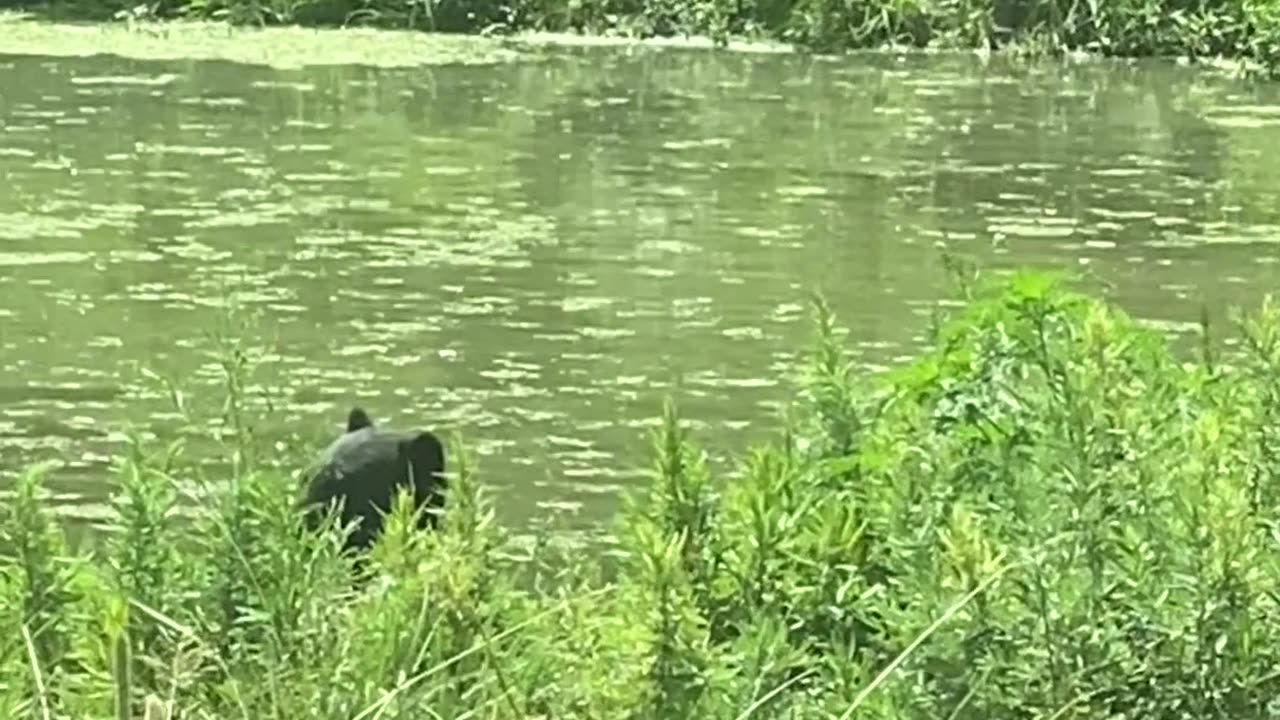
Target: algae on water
(279, 47)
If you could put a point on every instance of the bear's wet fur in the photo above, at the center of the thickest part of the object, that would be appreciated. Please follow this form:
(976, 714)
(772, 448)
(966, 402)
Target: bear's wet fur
(365, 467)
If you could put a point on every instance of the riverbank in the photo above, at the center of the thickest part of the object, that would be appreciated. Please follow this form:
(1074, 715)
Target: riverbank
(1244, 31)
(1045, 514)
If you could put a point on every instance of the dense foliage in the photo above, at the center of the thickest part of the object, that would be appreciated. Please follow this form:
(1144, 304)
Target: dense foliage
(1248, 29)
(1044, 515)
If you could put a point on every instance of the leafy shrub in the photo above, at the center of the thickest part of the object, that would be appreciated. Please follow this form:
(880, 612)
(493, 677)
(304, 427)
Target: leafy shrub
(1045, 514)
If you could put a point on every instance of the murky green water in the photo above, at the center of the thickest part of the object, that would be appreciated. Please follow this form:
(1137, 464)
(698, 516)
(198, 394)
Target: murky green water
(536, 251)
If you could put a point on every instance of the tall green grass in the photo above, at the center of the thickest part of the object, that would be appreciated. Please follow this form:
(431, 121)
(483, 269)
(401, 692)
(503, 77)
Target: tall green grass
(1244, 29)
(1045, 515)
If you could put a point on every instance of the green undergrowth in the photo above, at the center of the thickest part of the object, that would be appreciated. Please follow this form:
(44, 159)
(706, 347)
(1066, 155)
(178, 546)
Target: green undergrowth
(1240, 29)
(1045, 515)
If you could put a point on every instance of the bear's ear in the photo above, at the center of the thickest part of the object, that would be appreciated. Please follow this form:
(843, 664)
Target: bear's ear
(358, 419)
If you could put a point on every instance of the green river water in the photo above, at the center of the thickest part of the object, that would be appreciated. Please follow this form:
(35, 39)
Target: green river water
(536, 250)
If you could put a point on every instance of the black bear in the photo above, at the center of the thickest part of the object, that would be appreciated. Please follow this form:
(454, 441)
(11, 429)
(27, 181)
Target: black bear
(364, 469)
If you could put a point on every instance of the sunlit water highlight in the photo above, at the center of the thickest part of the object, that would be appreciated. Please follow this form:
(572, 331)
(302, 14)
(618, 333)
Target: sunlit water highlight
(535, 252)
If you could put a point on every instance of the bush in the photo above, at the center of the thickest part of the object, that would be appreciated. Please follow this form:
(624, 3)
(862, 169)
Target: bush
(1242, 29)
(1046, 514)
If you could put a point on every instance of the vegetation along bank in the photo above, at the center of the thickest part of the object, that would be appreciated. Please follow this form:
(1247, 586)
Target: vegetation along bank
(1046, 514)
(1247, 30)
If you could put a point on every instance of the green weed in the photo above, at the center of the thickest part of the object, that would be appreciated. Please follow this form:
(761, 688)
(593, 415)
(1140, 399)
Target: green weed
(1045, 514)
(1248, 30)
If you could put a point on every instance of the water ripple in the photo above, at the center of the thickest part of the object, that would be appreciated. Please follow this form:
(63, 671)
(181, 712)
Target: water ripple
(536, 253)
